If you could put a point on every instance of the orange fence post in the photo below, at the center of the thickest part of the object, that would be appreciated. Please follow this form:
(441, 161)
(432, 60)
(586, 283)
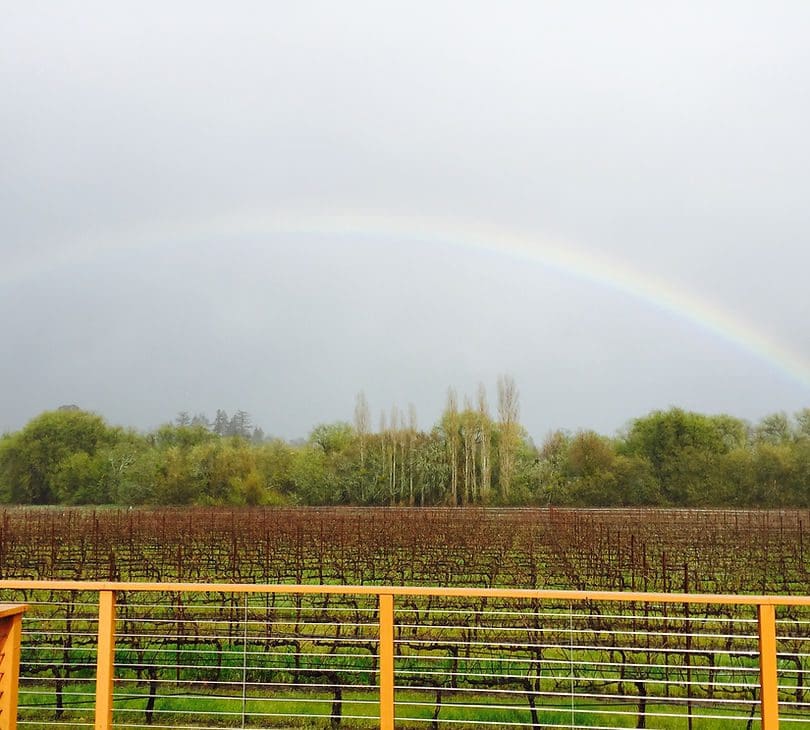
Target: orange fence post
(105, 662)
(386, 661)
(768, 680)
(10, 634)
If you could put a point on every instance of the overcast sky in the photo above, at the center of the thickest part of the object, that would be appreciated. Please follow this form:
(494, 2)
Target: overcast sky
(152, 155)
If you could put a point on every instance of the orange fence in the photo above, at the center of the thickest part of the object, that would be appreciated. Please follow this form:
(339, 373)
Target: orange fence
(10, 630)
(587, 622)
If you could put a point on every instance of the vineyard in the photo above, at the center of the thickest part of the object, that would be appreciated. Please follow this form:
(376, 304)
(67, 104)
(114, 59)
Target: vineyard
(224, 658)
(642, 550)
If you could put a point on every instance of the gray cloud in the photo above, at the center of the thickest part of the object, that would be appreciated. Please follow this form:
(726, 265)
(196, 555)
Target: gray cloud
(670, 138)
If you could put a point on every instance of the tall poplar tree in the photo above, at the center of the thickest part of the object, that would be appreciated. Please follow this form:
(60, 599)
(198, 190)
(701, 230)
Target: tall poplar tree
(508, 421)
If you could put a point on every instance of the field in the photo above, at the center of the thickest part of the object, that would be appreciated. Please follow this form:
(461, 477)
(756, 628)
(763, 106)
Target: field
(643, 550)
(229, 659)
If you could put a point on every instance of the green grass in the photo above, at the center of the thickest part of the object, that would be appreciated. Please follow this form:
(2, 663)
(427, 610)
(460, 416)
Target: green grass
(277, 710)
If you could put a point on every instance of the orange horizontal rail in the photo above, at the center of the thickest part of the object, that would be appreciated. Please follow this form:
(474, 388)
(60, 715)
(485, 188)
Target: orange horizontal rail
(376, 590)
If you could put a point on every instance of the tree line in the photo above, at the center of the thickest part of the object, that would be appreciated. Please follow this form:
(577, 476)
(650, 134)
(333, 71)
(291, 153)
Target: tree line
(472, 456)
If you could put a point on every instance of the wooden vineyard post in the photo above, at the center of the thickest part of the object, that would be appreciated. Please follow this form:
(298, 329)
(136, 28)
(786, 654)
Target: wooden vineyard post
(105, 664)
(10, 634)
(386, 662)
(768, 680)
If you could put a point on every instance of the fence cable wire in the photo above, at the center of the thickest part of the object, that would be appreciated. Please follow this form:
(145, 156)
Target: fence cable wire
(571, 654)
(244, 665)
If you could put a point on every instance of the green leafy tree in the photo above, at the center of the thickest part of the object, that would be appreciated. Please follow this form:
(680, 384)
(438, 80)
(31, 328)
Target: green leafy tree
(800, 484)
(80, 479)
(140, 481)
(738, 478)
(553, 482)
(682, 449)
(774, 473)
(774, 429)
(591, 465)
(175, 483)
(803, 424)
(635, 483)
(118, 462)
(432, 469)
(332, 437)
(274, 460)
(311, 476)
(31, 459)
(183, 437)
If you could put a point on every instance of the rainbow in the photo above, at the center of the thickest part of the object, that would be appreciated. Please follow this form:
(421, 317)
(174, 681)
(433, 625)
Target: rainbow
(620, 276)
